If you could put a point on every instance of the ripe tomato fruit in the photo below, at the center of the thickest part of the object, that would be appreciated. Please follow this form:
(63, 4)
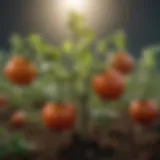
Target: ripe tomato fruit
(109, 85)
(59, 116)
(3, 101)
(19, 119)
(143, 111)
(20, 71)
(122, 62)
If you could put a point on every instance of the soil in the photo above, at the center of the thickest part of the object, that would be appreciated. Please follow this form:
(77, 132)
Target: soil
(122, 141)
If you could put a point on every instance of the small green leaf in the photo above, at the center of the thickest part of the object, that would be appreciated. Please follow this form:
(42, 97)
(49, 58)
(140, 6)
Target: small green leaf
(18, 145)
(149, 59)
(67, 46)
(82, 46)
(34, 39)
(2, 132)
(88, 34)
(119, 39)
(75, 21)
(103, 117)
(61, 73)
(35, 43)
(17, 43)
(102, 47)
(86, 58)
(3, 152)
(51, 52)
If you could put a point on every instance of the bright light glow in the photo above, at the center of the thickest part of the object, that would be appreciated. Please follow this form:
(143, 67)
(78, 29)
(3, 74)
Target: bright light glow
(97, 16)
(78, 5)
(74, 4)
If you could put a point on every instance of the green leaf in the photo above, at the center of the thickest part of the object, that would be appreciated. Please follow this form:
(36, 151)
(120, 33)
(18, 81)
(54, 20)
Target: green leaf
(67, 46)
(103, 117)
(18, 145)
(61, 73)
(149, 58)
(17, 43)
(34, 39)
(35, 43)
(88, 34)
(86, 58)
(102, 47)
(76, 21)
(51, 52)
(83, 63)
(82, 46)
(119, 39)
(2, 132)
(3, 152)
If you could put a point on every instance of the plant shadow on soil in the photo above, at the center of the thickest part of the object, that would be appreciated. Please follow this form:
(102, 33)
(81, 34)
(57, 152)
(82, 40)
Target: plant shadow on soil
(117, 143)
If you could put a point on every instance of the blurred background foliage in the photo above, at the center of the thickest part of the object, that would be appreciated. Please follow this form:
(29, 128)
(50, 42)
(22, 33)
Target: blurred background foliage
(66, 70)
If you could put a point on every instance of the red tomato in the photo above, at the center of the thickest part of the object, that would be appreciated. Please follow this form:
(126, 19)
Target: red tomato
(3, 101)
(109, 85)
(143, 112)
(18, 119)
(59, 116)
(20, 71)
(122, 62)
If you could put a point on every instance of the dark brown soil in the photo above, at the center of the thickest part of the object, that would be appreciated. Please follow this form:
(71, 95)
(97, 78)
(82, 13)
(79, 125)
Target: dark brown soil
(122, 141)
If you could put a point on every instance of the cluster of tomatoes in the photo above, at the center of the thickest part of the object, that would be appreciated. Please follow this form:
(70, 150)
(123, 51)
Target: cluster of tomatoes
(21, 72)
(110, 86)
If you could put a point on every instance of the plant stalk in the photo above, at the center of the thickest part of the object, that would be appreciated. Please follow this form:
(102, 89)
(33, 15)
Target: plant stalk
(84, 113)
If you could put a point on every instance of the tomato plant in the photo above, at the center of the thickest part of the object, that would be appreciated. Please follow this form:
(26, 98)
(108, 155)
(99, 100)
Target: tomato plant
(71, 72)
(66, 71)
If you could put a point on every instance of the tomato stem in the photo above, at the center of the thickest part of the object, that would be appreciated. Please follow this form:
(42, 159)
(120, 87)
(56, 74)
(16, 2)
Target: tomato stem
(84, 113)
(134, 144)
(60, 92)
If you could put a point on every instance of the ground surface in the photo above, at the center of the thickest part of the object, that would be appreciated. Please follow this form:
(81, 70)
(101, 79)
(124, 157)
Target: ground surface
(122, 141)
